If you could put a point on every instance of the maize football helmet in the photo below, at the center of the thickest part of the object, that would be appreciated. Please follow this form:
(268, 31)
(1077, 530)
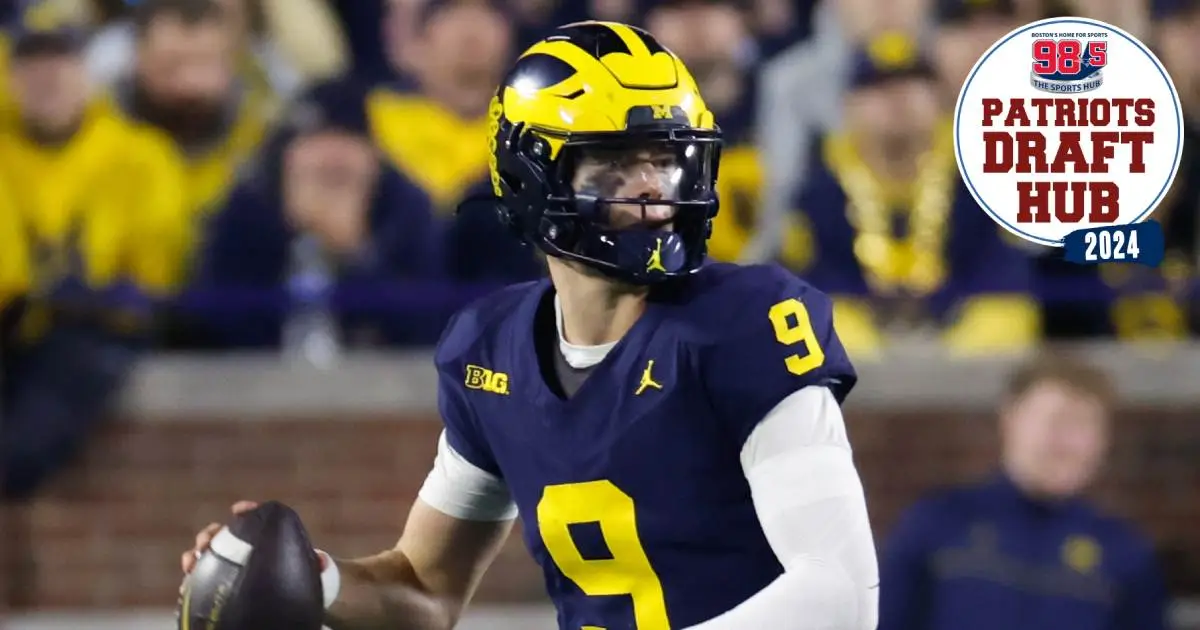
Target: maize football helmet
(602, 88)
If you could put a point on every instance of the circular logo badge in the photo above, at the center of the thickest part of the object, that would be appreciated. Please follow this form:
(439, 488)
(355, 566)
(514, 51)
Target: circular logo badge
(1068, 124)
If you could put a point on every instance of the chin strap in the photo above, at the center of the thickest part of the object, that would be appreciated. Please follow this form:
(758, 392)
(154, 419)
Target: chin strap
(643, 256)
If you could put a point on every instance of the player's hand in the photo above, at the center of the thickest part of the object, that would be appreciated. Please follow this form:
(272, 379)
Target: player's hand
(204, 539)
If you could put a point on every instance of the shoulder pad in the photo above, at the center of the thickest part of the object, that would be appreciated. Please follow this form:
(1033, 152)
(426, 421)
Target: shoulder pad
(767, 334)
(470, 333)
(474, 324)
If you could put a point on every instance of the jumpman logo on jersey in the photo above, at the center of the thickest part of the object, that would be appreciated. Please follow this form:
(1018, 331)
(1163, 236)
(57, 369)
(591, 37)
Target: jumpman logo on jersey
(655, 262)
(647, 380)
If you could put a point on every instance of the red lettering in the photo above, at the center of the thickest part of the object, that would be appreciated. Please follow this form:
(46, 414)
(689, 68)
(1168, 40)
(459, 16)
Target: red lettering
(1137, 141)
(991, 108)
(1069, 151)
(1099, 112)
(1143, 112)
(1105, 202)
(998, 152)
(1031, 152)
(1102, 149)
(1065, 113)
(1026, 151)
(1016, 114)
(1033, 202)
(1069, 112)
(1123, 105)
(1037, 202)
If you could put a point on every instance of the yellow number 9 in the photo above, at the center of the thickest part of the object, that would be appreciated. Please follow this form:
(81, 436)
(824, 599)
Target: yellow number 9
(792, 325)
(627, 571)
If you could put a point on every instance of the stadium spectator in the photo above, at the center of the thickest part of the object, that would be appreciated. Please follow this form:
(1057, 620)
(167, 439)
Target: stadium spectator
(264, 29)
(1024, 549)
(864, 19)
(369, 50)
(1176, 31)
(534, 19)
(7, 106)
(897, 240)
(454, 55)
(437, 134)
(15, 272)
(185, 82)
(779, 24)
(624, 11)
(320, 216)
(800, 93)
(964, 30)
(99, 202)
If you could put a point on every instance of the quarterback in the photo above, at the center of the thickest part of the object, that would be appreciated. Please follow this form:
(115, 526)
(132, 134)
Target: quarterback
(668, 429)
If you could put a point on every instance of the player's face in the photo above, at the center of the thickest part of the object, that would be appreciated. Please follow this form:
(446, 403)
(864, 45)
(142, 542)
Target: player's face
(648, 174)
(1055, 439)
(51, 90)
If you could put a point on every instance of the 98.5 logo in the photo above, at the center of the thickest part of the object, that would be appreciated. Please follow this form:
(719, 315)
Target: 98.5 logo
(1068, 133)
(1068, 66)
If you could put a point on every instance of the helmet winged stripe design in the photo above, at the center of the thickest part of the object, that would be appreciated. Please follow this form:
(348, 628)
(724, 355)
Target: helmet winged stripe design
(602, 86)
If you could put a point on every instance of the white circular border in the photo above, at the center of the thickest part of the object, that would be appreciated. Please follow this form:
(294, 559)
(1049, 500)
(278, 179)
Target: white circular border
(962, 94)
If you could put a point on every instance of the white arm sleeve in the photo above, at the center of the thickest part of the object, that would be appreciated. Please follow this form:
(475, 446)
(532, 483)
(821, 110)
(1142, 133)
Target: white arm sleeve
(460, 489)
(811, 505)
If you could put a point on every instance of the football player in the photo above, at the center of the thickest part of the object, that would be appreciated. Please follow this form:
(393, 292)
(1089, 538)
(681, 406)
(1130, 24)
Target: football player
(668, 430)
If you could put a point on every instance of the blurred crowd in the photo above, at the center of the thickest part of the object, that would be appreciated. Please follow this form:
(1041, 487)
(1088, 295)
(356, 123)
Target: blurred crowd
(213, 175)
(231, 174)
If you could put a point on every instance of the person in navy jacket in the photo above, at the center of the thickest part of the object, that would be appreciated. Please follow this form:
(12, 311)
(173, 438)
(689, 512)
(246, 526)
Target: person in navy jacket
(1023, 549)
(320, 208)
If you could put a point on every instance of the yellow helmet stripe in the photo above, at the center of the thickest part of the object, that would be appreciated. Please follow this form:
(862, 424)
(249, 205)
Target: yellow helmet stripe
(636, 44)
(575, 56)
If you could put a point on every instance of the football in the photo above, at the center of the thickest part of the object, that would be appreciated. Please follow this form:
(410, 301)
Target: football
(259, 573)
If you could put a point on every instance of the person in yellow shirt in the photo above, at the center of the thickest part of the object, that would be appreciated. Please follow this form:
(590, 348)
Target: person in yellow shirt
(436, 134)
(185, 82)
(99, 202)
(897, 240)
(99, 198)
(7, 107)
(14, 262)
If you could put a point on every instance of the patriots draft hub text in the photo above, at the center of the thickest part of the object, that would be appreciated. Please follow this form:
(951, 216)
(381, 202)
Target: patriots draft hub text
(1068, 124)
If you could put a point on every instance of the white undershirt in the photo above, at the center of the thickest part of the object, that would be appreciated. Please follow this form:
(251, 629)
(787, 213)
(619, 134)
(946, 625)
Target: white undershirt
(819, 531)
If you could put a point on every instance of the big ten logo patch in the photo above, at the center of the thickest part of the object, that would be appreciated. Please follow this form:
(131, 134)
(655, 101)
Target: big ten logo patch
(1065, 125)
(487, 380)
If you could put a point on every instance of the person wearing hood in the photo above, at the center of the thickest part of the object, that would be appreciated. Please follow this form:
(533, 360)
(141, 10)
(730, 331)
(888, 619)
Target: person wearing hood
(319, 218)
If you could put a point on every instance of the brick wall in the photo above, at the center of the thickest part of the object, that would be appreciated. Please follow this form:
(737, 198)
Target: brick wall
(109, 532)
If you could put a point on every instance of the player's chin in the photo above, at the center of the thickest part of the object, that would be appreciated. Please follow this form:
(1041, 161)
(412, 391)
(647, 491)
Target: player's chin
(618, 287)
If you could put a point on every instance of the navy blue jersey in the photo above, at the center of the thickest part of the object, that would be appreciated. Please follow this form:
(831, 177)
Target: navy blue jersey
(989, 557)
(631, 491)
